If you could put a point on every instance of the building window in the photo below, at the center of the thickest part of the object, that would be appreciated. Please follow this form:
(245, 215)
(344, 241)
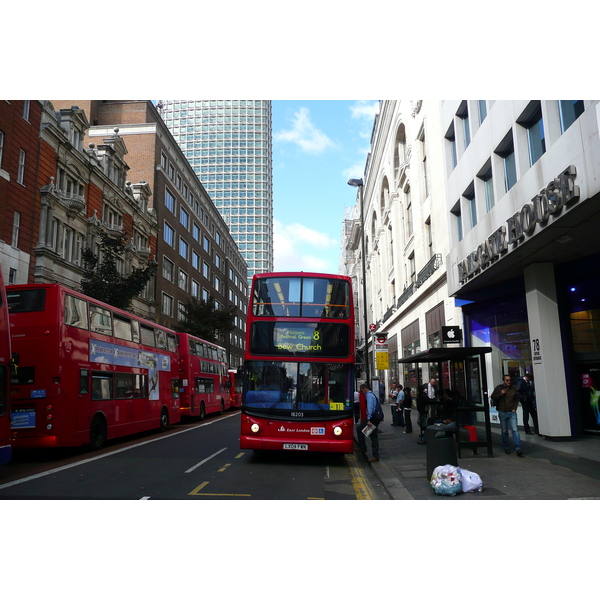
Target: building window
(167, 305)
(469, 194)
(1, 146)
(163, 160)
(195, 288)
(195, 260)
(21, 171)
(485, 174)
(463, 115)
(205, 270)
(169, 200)
(196, 232)
(570, 111)
(458, 219)
(506, 150)
(26, 106)
(180, 311)
(450, 136)
(428, 237)
(169, 235)
(16, 227)
(482, 110)
(183, 248)
(171, 172)
(168, 269)
(184, 218)
(424, 154)
(409, 224)
(412, 270)
(206, 244)
(183, 280)
(532, 120)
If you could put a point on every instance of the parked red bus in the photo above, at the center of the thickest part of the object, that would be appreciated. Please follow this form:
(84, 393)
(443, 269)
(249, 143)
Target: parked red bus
(235, 389)
(5, 364)
(87, 371)
(204, 381)
(299, 364)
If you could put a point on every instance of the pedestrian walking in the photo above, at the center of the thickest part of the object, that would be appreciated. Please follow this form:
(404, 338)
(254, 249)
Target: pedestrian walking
(526, 390)
(371, 407)
(407, 407)
(432, 390)
(506, 400)
(400, 406)
(393, 396)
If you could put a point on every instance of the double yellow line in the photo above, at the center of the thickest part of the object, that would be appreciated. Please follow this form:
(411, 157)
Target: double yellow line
(361, 487)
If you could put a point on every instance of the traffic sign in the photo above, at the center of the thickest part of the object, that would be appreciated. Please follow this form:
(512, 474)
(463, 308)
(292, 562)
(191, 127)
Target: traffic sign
(372, 327)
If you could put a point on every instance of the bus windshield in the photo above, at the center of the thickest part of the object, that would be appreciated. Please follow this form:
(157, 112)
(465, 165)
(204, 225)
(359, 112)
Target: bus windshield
(306, 386)
(301, 297)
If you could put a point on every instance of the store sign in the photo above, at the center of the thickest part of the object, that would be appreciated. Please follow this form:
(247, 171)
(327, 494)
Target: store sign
(547, 204)
(381, 352)
(451, 334)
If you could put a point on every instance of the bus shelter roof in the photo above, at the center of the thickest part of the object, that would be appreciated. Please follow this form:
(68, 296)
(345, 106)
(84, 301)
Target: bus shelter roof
(442, 354)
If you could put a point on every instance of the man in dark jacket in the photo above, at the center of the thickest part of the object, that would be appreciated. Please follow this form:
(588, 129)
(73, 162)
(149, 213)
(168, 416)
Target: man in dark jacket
(506, 400)
(526, 391)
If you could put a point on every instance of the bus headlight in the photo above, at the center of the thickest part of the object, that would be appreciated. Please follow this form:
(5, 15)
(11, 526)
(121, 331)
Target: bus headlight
(254, 428)
(49, 426)
(337, 430)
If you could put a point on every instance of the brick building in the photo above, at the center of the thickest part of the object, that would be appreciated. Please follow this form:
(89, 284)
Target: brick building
(56, 197)
(19, 210)
(196, 254)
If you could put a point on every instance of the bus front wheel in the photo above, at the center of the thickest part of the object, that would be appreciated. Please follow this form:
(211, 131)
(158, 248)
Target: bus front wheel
(98, 433)
(164, 419)
(202, 411)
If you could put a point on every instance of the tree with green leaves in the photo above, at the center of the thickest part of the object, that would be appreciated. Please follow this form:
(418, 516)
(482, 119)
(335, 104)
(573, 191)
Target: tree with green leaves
(102, 280)
(204, 320)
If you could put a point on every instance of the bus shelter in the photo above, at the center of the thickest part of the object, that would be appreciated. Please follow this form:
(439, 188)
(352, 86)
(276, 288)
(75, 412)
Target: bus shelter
(464, 371)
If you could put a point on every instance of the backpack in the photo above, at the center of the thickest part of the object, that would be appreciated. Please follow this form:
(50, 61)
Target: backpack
(377, 416)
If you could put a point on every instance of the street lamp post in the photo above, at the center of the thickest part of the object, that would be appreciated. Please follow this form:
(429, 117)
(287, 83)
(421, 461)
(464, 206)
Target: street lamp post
(358, 183)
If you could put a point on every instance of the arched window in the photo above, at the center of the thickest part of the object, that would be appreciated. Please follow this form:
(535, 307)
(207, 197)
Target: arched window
(399, 149)
(385, 194)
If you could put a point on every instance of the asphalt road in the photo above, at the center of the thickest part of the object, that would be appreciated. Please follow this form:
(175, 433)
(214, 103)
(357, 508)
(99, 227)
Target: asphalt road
(192, 461)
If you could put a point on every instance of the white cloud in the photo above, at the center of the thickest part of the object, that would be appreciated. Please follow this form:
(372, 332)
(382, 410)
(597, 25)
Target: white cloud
(305, 134)
(356, 171)
(294, 247)
(365, 109)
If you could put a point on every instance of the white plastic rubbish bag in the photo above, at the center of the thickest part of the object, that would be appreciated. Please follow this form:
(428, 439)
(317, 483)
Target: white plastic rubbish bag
(446, 480)
(471, 482)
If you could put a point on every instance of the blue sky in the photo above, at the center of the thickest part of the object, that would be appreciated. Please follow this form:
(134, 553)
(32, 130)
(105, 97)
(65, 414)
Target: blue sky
(317, 146)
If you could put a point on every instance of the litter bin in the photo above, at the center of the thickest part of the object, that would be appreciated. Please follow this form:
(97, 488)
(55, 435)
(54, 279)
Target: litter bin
(440, 450)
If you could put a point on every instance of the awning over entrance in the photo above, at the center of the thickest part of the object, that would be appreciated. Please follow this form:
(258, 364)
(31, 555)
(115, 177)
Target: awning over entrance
(442, 354)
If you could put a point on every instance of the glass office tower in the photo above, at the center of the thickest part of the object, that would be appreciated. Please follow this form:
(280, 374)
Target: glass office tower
(229, 145)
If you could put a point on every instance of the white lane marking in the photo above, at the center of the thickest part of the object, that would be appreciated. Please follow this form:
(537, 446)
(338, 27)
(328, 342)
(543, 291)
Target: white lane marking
(145, 498)
(88, 460)
(206, 460)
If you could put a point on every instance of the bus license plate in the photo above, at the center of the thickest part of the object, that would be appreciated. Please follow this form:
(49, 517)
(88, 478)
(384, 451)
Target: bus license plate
(295, 446)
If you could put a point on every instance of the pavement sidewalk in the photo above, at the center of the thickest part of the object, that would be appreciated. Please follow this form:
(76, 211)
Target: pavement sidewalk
(550, 469)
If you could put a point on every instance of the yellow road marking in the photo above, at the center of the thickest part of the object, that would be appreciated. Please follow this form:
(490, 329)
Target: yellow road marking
(196, 492)
(224, 467)
(240, 455)
(315, 498)
(362, 489)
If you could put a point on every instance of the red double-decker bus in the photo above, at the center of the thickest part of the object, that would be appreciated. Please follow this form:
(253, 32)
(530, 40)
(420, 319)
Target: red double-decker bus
(5, 363)
(87, 371)
(203, 374)
(299, 364)
(235, 389)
